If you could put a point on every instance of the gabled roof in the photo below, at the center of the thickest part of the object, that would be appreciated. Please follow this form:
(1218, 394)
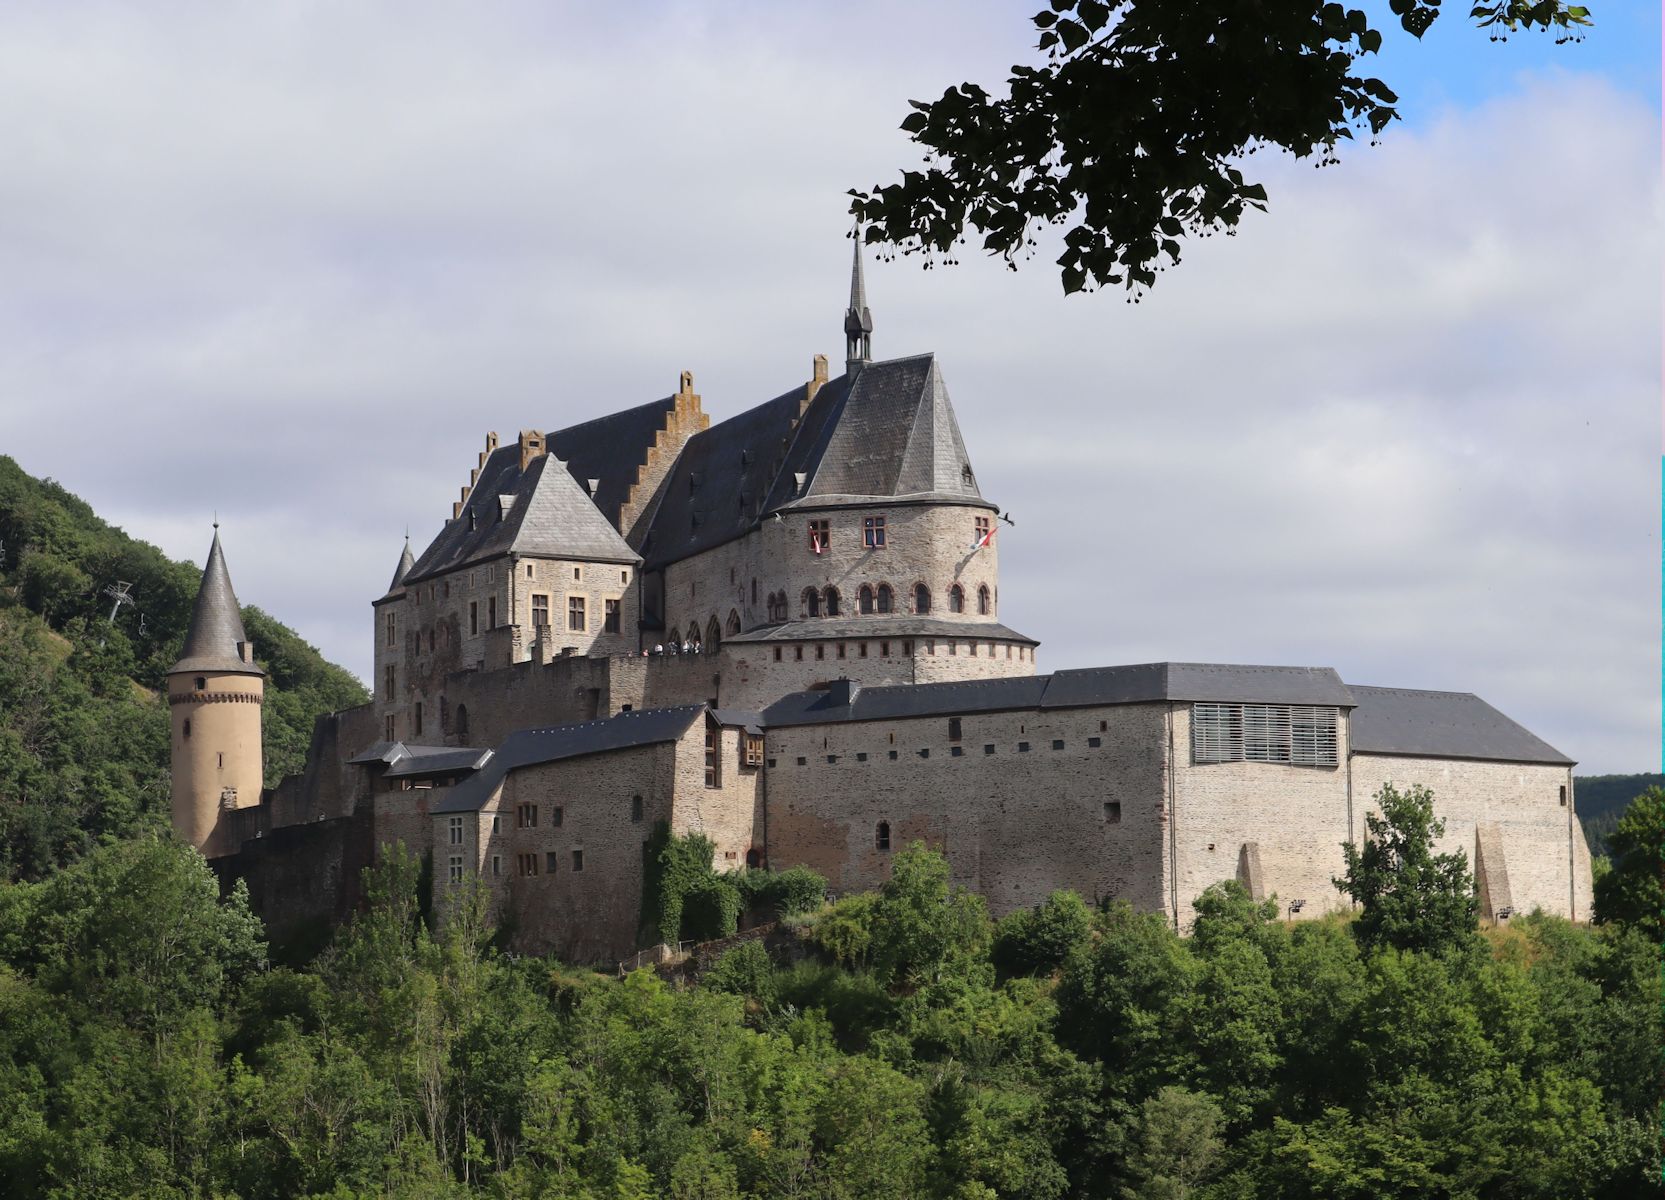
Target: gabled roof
(539, 511)
(1418, 724)
(1140, 684)
(530, 747)
(212, 643)
(612, 449)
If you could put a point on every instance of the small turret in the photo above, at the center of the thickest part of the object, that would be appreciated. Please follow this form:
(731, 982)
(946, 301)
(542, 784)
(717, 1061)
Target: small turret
(406, 561)
(858, 321)
(215, 693)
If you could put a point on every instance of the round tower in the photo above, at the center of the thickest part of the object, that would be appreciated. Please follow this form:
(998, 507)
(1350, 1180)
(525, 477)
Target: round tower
(215, 691)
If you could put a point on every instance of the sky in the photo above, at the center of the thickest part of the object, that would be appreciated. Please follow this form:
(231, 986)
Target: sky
(290, 263)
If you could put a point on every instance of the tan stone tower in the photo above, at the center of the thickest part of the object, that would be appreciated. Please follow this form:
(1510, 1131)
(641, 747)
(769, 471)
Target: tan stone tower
(214, 696)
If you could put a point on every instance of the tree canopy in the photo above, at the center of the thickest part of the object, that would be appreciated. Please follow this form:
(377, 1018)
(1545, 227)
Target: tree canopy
(1410, 898)
(1134, 130)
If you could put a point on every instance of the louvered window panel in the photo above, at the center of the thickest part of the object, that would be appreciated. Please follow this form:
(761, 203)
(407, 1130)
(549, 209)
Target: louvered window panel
(1300, 735)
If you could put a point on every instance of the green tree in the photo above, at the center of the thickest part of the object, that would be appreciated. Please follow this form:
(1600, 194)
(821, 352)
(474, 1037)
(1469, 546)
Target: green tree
(1035, 941)
(1408, 896)
(1178, 1147)
(1131, 131)
(921, 924)
(1633, 891)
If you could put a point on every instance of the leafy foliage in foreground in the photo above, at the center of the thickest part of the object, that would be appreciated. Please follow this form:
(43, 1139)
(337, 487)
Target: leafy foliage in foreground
(83, 732)
(1133, 131)
(145, 1049)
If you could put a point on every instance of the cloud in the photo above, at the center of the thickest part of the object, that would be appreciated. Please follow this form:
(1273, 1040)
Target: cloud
(292, 263)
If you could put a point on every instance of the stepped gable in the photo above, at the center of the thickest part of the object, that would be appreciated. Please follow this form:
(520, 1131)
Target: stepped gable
(722, 482)
(541, 510)
(612, 449)
(215, 640)
(1421, 724)
(892, 437)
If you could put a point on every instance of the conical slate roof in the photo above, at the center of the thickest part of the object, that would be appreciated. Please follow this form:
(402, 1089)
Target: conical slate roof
(216, 635)
(406, 561)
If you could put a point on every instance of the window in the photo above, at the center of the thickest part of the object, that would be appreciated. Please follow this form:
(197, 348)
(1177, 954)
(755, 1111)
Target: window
(1023, 747)
(575, 613)
(984, 607)
(416, 728)
(557, 815)
(388, 731)
(454, 873)
(1563, 786)
(988, 748)
(496, 824)
(1300, 735)
(921, 598)
(831, 600)
(430, 639)
(864, 600)
(390, 676)
(187, 732)
(473, 617)
(526, 816)
(713, 766)
(1112, 812)
(956, 599)
(540, 611)
(820, 651)
(818, 533)
(550, 858)
(529, 571)
(754, 750)
(610, 617)
(201, 684)
(496, 864)
(577, 860)
(953, 729)
(798, 653)
(1057, 743)
(526, 864)
(777, 653)
(462, 722)
(980, 537)
(221, 757)
(1094, 743)
(841, 650)
(873, 532)
(491, 612)
(754, 593)
(885, 599)
(456, 831)
(733, 626)
(812, 602)
(578, 574)
(392, 629)
(881, 836)
(635, 809)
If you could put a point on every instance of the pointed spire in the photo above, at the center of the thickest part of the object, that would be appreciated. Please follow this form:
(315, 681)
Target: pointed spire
(858, 320)
(406, 562)
(216, 640)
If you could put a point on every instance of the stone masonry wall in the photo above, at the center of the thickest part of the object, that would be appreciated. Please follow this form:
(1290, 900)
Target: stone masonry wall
(1017, 814)
(1296, 815)
(1543, 843)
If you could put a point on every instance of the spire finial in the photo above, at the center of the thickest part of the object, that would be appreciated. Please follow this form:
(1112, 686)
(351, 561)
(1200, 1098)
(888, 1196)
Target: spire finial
(858, 319)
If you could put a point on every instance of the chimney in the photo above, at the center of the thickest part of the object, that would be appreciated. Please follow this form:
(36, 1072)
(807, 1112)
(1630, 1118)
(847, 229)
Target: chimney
(532, 446)
(842, 693)
(817, 376)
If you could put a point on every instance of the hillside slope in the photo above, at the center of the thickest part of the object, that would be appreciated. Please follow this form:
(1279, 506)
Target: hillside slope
(1602, 800)
(83, 731)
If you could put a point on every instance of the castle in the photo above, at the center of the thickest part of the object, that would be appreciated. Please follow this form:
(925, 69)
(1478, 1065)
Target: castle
(783, 631)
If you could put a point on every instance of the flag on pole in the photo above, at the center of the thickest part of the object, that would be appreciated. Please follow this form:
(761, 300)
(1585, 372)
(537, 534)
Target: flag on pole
(815, 542)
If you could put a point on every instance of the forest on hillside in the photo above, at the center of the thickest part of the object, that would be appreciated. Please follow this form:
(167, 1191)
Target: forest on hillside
(83, 732)
(892, 1044)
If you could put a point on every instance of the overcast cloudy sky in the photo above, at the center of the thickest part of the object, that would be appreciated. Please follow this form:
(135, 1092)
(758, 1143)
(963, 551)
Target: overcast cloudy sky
(292, 261)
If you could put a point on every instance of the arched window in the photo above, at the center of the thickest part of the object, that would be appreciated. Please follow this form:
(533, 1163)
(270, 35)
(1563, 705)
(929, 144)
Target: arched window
(984, 606)
(921, 598)
(462, 722)
(444, 717)
(881, 836)
(812, 602)
(886, 600)
(713, 635)
(754, 858)
(831, 599)
(734, 622)
(754, 593)
(693, 638)
(956, 599)
(864, 600)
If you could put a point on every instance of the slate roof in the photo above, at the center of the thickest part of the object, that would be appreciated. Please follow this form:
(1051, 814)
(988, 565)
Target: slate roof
(885, 433)
(1138, 684)
(216, 623)
(529, 747)
(395, 753)
(406, 561)
(444, 761)
(894, 625)
(541, 511)
(1407, 722)
(611, 449)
